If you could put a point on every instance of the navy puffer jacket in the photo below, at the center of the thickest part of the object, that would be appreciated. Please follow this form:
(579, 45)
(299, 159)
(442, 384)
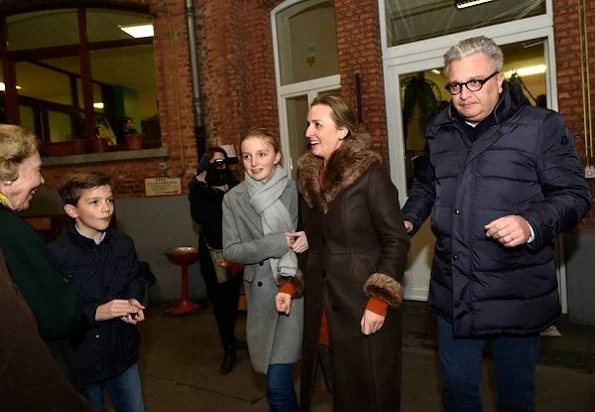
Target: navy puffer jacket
(524, 164)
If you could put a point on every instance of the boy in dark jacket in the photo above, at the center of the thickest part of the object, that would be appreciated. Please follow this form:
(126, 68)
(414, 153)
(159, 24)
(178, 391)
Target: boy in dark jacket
(102, 266)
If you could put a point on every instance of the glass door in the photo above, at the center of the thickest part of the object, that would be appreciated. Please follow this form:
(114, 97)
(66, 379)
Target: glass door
(296, 112)
(416, 93)
(293, 112)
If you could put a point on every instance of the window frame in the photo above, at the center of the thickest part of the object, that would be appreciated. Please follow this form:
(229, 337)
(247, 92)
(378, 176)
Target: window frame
(81, 50)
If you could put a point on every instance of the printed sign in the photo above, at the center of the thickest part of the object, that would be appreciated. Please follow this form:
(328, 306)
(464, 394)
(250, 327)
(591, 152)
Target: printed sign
(163, 186)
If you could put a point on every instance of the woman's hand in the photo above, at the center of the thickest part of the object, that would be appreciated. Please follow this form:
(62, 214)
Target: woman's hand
(371, 322)
(283, 302)
(297, 241)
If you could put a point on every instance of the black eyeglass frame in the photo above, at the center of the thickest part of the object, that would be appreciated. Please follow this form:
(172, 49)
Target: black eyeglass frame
(466, 84)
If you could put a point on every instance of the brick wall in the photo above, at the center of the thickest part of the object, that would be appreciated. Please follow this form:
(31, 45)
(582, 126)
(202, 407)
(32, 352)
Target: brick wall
(358, 42)
(237, 76)
(174, 95)
(570, 88)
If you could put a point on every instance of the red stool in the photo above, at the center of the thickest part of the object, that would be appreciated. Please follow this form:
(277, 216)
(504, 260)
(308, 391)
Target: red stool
(183, 256)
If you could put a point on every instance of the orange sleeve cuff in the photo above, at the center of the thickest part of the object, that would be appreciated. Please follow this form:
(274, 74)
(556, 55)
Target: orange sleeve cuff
(288, 287)
(377, 305)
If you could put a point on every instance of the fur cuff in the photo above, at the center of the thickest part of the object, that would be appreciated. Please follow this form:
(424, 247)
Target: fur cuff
(384, 287)
(297, 282)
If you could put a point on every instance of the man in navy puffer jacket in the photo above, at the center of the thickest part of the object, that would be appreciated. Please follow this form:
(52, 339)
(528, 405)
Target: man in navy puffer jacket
(501, 182)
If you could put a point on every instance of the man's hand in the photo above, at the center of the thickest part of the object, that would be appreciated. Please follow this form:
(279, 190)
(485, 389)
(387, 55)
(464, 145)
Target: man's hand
(297, 241)
(408, 226)
(371, 322)
(510, 231)
(283, 302)
(134, 318)
(116, 308)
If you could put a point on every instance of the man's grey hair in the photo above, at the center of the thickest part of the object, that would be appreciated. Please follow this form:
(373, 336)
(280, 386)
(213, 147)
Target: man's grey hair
(475, 45)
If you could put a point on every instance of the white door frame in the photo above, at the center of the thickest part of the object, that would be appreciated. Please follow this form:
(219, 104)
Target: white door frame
(311, 88)
(428, 54)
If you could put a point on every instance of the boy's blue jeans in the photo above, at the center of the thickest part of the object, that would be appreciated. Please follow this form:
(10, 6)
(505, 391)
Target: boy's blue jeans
(125, 392)
(280, 392)
(460, 364)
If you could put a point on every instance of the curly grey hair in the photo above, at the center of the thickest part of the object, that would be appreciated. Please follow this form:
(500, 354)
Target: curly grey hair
(475, 45)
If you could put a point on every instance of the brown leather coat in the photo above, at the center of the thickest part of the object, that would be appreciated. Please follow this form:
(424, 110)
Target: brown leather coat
(30, 379)
(358, 249)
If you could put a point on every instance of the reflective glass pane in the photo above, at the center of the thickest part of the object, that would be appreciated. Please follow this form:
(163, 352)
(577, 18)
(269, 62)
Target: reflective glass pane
(43, 83)
(307, 41)
(336, 92)
(27, 117)
(105, 25)
(527, 60)
(297, 112)
(43, 29)
(59, 125)
(422, 97)
(128, 74)
(412, 20)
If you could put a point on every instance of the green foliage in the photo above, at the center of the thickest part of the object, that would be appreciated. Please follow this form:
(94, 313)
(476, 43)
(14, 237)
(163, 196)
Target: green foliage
(421, 92)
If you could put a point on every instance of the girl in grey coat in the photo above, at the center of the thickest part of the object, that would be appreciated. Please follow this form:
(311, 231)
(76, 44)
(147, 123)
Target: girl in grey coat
(257, 215)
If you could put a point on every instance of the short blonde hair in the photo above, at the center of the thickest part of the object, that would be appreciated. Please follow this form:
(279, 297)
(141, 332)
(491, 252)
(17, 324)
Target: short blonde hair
(16, 145)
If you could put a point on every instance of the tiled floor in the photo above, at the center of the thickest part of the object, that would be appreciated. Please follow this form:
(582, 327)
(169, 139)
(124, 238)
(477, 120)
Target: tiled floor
(181, 357)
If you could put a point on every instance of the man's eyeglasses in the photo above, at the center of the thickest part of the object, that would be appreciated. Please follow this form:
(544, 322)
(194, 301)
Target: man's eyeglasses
(473, 85)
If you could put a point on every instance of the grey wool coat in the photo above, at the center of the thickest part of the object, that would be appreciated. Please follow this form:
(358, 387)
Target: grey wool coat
(272, 337)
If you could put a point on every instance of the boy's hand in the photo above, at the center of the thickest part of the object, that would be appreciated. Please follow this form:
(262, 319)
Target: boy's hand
(134, 318)
(116, 308)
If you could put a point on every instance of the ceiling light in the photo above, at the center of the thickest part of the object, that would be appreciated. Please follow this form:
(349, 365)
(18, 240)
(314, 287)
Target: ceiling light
(98, 105)
(138, 31)
(3, 87)
(527, 71)
(461, 4)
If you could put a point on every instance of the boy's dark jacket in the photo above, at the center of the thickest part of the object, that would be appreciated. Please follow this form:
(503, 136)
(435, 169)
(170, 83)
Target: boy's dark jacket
(99, 274)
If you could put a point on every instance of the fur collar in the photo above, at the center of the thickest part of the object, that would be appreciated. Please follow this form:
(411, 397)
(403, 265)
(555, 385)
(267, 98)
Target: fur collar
(347, 164)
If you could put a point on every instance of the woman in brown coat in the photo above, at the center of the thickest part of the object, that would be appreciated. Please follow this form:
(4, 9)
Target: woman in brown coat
(358, 252)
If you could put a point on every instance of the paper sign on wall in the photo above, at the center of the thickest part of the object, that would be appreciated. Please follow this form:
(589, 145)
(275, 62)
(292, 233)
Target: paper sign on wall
(163, 186)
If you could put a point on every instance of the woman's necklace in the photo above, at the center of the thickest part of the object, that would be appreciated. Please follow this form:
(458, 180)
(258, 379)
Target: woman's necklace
(5, 201)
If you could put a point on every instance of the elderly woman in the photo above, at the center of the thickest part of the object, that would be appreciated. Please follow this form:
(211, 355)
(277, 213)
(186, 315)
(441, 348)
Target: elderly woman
(52, 301)
(358, 252)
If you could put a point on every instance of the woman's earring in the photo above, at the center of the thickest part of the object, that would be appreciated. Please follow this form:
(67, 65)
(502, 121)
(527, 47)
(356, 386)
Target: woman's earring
(7, 182)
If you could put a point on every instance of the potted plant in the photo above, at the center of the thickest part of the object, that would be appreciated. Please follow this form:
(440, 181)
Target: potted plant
(134, 141)
(423, 94)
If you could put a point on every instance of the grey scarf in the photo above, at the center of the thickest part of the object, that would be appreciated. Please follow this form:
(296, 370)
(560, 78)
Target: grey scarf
(265, 200)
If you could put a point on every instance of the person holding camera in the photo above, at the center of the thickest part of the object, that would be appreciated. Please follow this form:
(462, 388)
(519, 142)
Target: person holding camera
(207, 189)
